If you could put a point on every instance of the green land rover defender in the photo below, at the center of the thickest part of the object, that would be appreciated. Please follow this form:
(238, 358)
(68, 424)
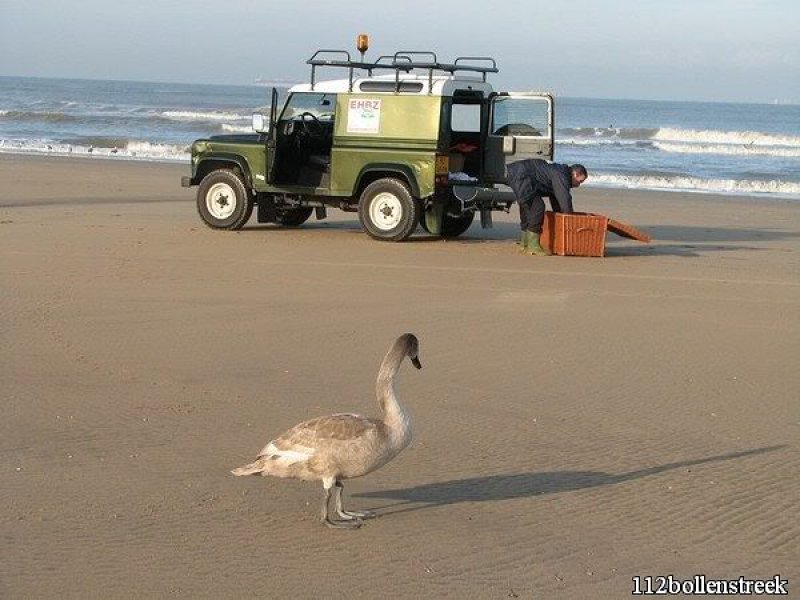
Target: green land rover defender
(404, 141)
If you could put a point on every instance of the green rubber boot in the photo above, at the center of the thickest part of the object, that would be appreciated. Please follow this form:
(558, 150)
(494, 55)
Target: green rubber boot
(523, 240)
(533, 245)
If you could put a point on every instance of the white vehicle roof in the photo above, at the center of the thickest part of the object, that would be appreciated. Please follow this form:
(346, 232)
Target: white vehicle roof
(411, 84)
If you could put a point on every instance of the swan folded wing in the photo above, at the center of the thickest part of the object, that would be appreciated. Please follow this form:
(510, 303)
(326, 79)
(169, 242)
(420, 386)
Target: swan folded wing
(346, 426)
(304, 439)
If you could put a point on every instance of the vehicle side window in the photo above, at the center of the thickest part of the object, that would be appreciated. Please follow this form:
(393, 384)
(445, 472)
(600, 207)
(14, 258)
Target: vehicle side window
(526, 117)
(466, 118)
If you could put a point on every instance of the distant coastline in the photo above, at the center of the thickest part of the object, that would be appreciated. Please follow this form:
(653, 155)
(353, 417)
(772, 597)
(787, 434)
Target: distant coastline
(272, 82)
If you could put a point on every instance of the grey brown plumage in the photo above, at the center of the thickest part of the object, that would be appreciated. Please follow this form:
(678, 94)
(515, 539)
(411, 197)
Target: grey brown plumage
(342, 446)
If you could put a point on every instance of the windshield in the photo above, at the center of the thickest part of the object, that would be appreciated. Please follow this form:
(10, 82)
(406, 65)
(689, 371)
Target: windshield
(322, 106)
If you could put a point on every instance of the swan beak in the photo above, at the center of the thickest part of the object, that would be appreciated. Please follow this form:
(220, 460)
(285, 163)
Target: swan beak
(415, 362)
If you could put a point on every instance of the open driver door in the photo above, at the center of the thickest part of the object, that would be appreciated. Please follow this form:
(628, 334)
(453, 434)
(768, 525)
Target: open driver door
(272, 137)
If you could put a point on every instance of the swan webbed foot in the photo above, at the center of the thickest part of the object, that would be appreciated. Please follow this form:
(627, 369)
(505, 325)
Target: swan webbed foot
(357, 514)
(348, 524)
(348, 521)
(349, 515)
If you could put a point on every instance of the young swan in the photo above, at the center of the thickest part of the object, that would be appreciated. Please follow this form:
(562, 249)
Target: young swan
(343, 446)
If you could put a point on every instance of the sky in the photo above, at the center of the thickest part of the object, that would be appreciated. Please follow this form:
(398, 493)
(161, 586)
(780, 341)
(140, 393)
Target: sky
(711, 50)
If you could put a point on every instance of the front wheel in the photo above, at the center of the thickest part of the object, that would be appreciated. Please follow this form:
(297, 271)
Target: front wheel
(387, 210)
(223, 201)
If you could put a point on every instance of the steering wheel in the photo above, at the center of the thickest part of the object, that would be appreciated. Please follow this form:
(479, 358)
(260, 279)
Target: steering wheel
(311, 125)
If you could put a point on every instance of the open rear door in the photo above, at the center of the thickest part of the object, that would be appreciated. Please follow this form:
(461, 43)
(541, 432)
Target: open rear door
(521, 126)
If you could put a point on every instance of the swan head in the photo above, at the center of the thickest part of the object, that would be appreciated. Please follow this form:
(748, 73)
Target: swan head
(411, 344)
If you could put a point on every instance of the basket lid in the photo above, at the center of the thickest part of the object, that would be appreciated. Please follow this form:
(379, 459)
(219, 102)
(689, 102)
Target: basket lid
(627, 231)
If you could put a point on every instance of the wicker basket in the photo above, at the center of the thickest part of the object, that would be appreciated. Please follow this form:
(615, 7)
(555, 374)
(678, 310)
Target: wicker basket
(583, 234)
(576, 234)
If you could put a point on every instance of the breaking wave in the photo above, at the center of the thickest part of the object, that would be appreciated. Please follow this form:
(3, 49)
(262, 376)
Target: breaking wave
(685, 141)
(122, 149)
(737, 149)
(704, 136)
(187, 115)
(228, 128)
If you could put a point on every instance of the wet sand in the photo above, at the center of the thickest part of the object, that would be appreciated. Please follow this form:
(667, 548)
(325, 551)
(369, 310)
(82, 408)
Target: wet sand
(578, 421)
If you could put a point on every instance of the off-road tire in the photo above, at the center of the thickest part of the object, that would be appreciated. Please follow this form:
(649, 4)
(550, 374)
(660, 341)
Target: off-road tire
(422, 222)
(223, 201)
(387, 210)
(454, 226)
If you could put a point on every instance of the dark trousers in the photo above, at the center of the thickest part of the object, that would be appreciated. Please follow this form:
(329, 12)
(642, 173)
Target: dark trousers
(531, 202)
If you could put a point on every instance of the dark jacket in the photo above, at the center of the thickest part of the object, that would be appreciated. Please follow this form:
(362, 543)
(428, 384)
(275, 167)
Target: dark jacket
(546, 179)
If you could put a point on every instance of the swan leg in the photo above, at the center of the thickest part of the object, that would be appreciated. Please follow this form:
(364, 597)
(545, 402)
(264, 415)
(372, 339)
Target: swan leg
(347, 524)
(349, 514)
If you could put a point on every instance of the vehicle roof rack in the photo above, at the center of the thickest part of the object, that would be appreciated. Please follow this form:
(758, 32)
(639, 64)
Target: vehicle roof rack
(404, 61)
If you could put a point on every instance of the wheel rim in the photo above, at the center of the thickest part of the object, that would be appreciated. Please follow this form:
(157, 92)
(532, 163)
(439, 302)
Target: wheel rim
(386, 211)
(221, 201)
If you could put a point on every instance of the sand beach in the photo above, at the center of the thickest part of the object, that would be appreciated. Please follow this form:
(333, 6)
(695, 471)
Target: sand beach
(579, 422)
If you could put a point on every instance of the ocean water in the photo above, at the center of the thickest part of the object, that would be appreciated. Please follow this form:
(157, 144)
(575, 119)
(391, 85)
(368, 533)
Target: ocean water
(687, 146)
(684, 146)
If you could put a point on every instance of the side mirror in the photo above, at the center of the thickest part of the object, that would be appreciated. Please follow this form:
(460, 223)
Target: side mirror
(260, 123)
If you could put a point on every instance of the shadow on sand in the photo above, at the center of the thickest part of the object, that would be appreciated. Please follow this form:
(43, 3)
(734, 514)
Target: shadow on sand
(523, 485)
(668, 240)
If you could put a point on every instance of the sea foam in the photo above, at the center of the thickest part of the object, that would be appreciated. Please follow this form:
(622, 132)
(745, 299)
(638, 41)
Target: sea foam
(674, 134)
(188, 115)
(710, 136)
(140, 150)
(685, 141)
(228, 128)
(736, 149)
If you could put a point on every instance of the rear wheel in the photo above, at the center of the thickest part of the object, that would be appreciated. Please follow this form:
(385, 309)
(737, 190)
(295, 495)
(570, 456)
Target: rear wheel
(423, 224)
(387, 210)
(455, 226)
(223, 201)
(450, 226)
(293, 217)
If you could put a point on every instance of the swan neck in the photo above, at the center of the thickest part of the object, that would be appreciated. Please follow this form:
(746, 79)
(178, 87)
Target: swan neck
(384, 386)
